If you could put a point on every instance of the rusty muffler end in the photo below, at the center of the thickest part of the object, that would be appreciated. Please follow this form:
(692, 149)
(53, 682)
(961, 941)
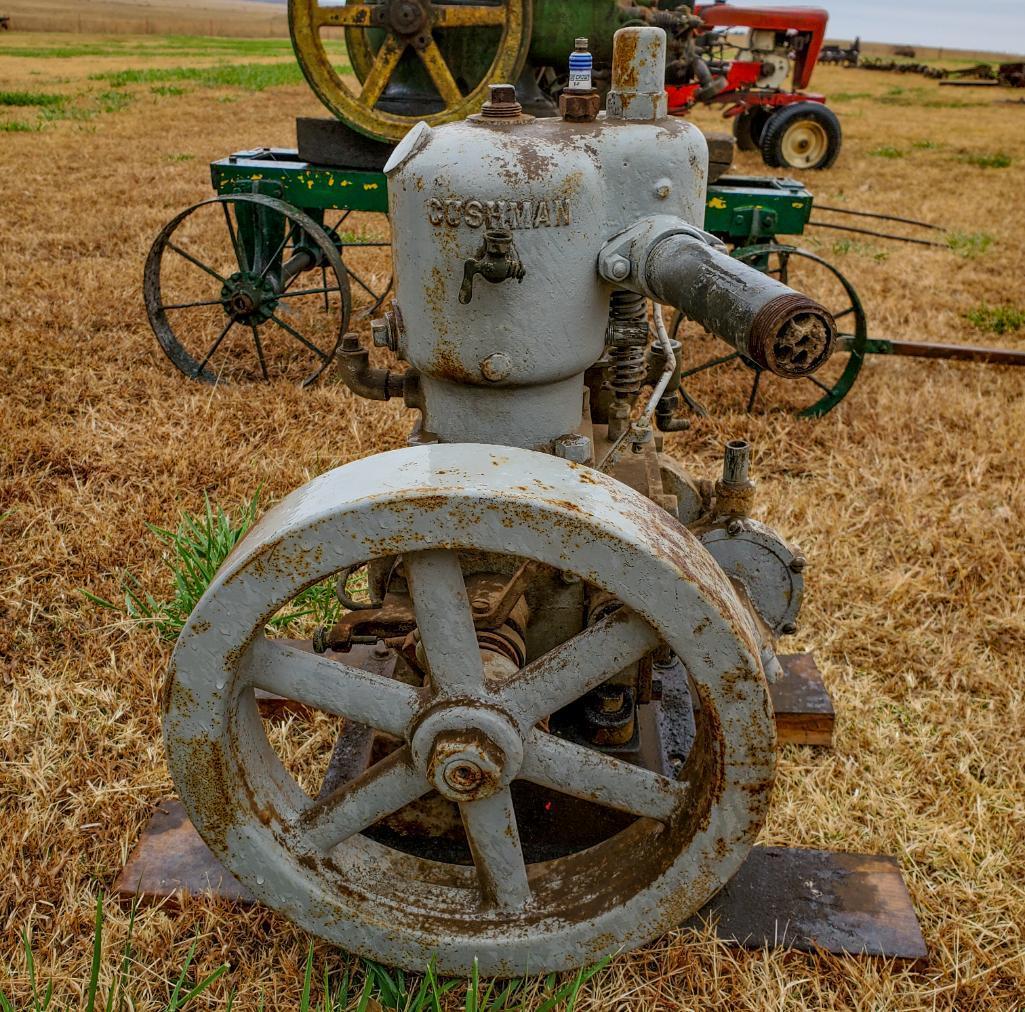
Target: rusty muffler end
(791, 336)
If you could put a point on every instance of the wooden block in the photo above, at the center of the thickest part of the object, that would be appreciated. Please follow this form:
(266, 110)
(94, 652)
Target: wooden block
(781, 897)
(801, 702)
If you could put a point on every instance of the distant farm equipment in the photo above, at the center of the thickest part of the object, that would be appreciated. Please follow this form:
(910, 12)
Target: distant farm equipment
(846, 56)
(1008, 75)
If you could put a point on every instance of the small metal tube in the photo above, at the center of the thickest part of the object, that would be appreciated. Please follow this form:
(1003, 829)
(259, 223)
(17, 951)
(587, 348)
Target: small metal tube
(736, 462)
(770, 324)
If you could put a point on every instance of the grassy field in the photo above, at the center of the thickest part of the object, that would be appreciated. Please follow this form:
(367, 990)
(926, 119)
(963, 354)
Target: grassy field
(151, 17)
(908, 501)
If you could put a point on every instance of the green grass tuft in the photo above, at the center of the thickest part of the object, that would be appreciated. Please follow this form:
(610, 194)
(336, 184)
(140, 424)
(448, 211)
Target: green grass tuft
(382, 987)
(887, 151)
(117, 996)
(31, 99)
(1000, 160)
(193, 553)
(17, 126)
(996, 319)
(168, 90)
(969, 244)
(114, 101)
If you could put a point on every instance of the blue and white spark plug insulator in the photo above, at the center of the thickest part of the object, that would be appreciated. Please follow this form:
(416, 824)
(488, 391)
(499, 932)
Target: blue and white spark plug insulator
(580, 66)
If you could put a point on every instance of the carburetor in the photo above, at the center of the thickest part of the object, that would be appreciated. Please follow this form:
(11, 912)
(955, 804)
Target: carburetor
(557, 739)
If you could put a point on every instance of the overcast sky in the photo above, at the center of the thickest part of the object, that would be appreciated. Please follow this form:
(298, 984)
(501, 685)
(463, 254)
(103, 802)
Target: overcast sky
(996, 25)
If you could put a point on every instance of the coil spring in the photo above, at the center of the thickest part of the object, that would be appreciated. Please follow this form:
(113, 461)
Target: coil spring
(627, 338)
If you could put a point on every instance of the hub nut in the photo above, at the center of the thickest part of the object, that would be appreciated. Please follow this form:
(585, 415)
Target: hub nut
(465, 766)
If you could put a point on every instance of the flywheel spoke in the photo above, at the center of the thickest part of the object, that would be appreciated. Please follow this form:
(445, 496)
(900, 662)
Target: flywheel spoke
(494, 839)
(466, 15)
(594, 776)
(385, 62)
(440, 74)
(578, 665)
(382, 790)
(287, 670)
(845, 312)
(445, 622)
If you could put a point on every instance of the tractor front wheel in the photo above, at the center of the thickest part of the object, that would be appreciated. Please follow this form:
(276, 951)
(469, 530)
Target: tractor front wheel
(805, 135)
(748, 127)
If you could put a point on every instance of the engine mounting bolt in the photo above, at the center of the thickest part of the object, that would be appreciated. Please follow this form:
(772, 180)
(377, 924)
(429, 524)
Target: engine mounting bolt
(617, 268)
(496, 367)
(788, 628)
(380, 649)
(573, 447)
(734, 527)
(798, 564)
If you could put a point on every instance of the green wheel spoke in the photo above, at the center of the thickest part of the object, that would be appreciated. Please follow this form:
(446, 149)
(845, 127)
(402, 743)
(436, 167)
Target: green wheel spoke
(194, 305)
(259, 350)
(194, 260)
(308, 291)
(206, 358)
(299, 337)
(235, 244)
(754, 390)
(711, 364)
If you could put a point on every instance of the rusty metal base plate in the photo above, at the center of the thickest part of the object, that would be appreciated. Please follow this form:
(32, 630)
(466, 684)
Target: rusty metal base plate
(812, 900)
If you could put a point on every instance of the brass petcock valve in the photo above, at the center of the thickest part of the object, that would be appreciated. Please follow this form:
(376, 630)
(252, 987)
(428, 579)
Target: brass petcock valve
(496, 261)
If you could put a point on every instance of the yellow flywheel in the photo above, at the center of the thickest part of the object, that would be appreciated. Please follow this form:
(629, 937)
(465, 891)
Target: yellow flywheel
(438, 57)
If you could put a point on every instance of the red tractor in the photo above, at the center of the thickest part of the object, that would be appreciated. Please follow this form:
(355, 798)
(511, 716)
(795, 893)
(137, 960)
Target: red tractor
(793, 128)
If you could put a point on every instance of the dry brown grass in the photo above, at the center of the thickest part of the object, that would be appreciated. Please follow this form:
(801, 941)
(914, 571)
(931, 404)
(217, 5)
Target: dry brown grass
(908, 500)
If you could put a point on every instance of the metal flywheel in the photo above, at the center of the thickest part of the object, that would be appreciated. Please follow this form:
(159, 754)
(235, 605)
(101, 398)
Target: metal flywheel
(472, 732)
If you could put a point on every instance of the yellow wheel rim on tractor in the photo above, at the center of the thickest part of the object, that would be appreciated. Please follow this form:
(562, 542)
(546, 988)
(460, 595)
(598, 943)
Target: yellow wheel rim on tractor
(804, 144)
(404, 25)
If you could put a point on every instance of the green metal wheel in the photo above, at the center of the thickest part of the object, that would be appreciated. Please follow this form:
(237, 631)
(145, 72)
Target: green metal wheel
(727, 378)
(244, 287)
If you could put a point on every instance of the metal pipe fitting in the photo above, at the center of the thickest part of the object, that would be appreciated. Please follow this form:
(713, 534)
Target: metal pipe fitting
(361, 377)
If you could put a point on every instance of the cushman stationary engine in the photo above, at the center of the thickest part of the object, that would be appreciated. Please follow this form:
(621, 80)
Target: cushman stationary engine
(557, 734)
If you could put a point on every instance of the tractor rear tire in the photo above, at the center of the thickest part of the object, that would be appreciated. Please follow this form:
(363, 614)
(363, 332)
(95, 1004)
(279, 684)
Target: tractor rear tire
(749, 126)
(805, 135)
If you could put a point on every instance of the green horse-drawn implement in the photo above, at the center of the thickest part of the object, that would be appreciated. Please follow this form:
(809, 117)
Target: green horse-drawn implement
(263, 280)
